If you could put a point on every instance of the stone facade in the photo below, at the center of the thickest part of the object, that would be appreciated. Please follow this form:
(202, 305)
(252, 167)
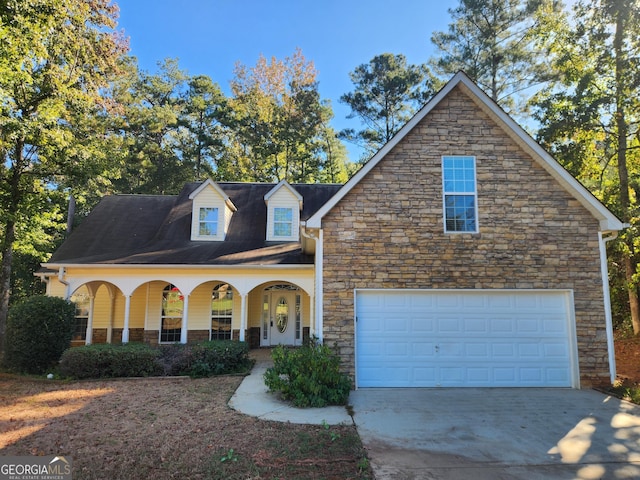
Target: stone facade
(388, 232)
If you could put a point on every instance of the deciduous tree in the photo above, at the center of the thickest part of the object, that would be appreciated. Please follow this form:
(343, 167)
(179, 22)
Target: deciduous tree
(591, 119)
(56, 57)
(278, 120)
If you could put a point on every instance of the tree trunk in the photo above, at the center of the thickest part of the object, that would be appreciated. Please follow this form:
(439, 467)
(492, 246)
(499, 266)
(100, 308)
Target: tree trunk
(5, 281)
(13, 204)
(630, 260)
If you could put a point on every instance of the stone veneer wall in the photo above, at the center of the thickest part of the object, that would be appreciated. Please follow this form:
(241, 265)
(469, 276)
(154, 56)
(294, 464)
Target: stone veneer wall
(135, 335)
(388, 231)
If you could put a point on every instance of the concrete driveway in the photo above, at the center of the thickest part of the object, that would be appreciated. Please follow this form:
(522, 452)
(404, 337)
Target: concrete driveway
(515, 433)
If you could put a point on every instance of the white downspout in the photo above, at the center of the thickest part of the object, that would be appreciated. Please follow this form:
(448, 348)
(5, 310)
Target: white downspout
(318, 259)
(604, 269)
(61, 274)
(319, 296)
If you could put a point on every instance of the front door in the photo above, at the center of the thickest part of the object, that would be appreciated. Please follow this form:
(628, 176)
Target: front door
(281, 318)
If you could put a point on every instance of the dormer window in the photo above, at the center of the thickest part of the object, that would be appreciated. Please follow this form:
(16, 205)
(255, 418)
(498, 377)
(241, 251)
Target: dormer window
(208, 222)
(211, 213)
(282, 222)
(284, 204)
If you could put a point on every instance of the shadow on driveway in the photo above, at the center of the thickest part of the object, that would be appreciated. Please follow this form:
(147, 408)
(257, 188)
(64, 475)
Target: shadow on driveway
(498, 433)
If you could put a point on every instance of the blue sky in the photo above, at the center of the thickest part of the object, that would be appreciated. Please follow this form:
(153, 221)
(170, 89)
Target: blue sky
(210, 36)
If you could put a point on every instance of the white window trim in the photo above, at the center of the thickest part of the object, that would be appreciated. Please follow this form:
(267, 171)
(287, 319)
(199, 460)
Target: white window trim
(216, 316)
(163, 317)
(474, 195)
(217, 222)
(290, 223)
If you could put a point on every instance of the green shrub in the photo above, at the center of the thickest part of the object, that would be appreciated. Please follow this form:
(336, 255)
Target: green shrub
(38, 330)
(142, 360)
(175, 359)
(309, 376)
(218, 357)
(108, 361)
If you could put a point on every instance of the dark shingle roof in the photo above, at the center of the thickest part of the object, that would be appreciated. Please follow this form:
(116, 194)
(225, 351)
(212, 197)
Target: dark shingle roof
(153, 229)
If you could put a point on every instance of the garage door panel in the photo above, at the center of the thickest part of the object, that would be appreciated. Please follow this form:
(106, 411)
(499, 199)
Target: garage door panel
(422, 324)
(396, 349)
(476, 350)
(502, 325)
(476, 325)
(422, 349)
(395, 324)
(449, 325)
(431, 338)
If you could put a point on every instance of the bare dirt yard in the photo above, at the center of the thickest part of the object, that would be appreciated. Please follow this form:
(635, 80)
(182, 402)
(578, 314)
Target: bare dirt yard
(167, 428)
(628, 359)
(182, 428)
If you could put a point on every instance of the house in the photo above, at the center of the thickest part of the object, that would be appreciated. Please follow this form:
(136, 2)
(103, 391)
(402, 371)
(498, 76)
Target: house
(461, 254)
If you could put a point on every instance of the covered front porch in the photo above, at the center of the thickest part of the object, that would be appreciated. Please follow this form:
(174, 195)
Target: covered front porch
(262, 305)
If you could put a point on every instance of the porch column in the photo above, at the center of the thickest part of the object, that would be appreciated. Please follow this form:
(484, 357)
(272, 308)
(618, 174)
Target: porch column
(112, 314)
(127, 311)
(243, 316)
(185, 320)
(312, 315)
(89, 336)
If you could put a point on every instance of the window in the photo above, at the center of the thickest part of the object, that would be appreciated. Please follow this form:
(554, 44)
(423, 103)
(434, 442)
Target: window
(172, 308)
(221, 312)
(81, 319)
(208, 225)
(460, 199)
(282, 222)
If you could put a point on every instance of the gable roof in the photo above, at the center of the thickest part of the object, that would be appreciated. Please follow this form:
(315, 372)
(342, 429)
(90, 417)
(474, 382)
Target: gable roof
(608, 221)
(156, 230)
(287, 185)
(210, 183)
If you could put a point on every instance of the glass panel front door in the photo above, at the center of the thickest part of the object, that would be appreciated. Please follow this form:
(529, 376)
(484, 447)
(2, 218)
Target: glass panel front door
(280, 326)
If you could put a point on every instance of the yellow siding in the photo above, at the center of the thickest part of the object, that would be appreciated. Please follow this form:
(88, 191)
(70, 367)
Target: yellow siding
(200, 308)
(155, 305)
(102, 308)
(254, 306)
(55, 288)
(138, 308)
(118, 315)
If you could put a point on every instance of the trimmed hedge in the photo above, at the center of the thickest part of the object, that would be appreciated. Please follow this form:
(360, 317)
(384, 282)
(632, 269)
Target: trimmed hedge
(142, 360)
(107, 361)
(309, 376)
(39, 329)
(219, 357)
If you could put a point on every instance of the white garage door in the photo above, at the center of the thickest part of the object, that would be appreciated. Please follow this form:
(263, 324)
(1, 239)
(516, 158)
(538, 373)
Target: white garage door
(418, 338)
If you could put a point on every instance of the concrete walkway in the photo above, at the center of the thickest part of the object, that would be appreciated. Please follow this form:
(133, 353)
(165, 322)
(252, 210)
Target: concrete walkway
(484, 434)
(253, 398)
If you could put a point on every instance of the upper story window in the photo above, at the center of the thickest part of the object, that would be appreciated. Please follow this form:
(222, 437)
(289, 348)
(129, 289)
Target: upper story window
(211, 212)
(459, 194)
(208, 225)
(282, 222)
(284, 205)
